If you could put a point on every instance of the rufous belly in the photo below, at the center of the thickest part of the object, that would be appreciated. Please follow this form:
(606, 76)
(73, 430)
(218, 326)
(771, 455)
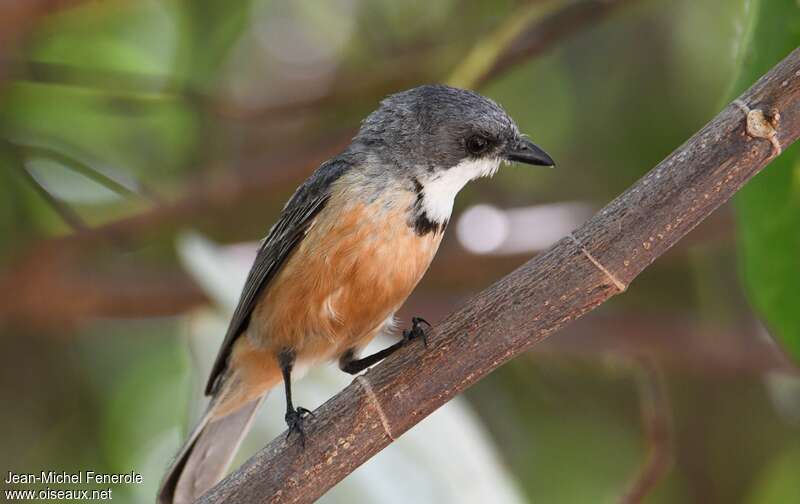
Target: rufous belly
(357, 264)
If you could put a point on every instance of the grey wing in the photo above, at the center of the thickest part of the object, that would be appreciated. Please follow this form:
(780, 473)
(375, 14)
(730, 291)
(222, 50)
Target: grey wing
(283, 238)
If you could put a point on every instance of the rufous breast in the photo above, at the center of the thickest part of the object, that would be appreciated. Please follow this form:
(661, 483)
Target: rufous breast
(358, 263)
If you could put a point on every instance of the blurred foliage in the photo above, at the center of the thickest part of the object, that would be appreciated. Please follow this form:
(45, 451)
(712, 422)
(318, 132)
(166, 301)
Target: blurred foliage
(769, 206)
(124, 109)
(779, 482)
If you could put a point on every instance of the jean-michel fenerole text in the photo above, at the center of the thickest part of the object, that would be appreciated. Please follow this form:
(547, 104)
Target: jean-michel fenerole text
(76, 478)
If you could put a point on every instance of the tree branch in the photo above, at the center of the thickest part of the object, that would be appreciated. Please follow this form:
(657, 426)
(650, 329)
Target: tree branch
(576, 275)
(214, 199)
(538, 37)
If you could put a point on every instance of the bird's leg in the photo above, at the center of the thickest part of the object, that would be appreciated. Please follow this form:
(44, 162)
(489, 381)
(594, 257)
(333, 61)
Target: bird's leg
(349, 364)
(294, 416)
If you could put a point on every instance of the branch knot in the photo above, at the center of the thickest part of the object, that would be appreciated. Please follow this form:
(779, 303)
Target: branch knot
(761, 126)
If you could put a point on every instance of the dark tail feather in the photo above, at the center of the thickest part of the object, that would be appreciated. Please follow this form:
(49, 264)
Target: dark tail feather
(208, 452)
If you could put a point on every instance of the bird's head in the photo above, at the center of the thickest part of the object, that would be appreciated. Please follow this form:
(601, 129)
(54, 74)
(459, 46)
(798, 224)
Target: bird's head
(442, 137)
(437, 127)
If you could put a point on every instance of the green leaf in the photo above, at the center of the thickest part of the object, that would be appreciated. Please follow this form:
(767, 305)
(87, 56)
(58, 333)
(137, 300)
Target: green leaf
(778, 481)
(768, 208)
(105, 86)
(51, 162)
(212, 28)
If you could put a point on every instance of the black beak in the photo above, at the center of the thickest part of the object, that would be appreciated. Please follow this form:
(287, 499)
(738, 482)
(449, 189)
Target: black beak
(527, 152)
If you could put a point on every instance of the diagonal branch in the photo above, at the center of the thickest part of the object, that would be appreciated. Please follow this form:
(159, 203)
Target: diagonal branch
(207, 197)
(213, 199)
(576, 275)
(538, 37)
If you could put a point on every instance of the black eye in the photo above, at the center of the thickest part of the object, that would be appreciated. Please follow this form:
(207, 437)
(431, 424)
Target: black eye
(477, 144)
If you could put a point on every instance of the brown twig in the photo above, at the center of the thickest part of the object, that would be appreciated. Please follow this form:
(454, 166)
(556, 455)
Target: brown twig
(580, 272)
(535, 40)
(538, 37)
(679, 343)
(54, 289)
(76, 293)
(17, 17)
(657, 422)
(214, 199)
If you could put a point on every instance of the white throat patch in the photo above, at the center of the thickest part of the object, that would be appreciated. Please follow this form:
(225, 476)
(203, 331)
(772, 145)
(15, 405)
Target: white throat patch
(439, 192)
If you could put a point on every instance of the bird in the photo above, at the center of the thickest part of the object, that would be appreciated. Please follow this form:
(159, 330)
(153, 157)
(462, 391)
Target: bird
(346, 251)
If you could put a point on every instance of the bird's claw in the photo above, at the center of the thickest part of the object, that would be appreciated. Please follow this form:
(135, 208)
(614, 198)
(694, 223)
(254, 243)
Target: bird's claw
(416, 331)
(294, 420)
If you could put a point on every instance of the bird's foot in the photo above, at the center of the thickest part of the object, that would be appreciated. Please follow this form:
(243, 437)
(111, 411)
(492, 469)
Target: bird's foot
(294, 420)
(416, 331)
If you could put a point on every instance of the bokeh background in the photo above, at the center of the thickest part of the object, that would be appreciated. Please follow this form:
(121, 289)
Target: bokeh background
(147, 145)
